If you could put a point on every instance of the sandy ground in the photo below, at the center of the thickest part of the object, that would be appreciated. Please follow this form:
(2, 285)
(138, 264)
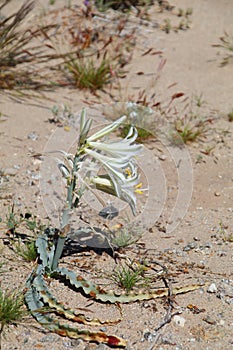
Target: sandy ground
(197, 246)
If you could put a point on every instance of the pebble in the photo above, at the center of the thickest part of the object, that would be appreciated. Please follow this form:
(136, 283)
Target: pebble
(212, 288)
(162, 157)
(225, 289)
(103, 329)
(189, 246)
(33, 136)
(35, 176)
(179, 321)
(148, 336)
(222, 253)
(209, 319)
(10, 171)
(6, 196)
(101, 347)
(16, 166)
(50, 338)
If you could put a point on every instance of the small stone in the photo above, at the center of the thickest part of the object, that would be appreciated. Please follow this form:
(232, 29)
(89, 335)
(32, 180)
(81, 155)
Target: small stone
(37, 162)
(217, 194)
(103, 329)
(6, 196)
(101, 347)
(190, 246)
(16, 166)
(208, 245)
(192, 340)
(221, 323)
(209, 319)
(179, 321)
(35, 176)
(33, 136)
(10, 171)
(146, 305)
(162, 157)
(148, 336)
(50, 338)
(212, 288)
(222, 253)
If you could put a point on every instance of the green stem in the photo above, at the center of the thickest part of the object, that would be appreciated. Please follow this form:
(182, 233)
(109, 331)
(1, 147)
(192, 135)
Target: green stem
(66, 214)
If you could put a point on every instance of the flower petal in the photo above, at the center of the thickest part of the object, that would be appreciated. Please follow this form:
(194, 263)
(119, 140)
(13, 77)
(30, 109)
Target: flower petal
(107, 130)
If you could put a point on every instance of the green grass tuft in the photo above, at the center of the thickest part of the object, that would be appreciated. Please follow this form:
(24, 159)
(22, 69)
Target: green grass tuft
(27, 251)
(12, 308)
(128, 277)
(89, 74)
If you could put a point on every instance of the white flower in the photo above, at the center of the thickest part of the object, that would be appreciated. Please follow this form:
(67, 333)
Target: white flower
(124, 149)
(107, 130)
(125, 191)
(118, 159)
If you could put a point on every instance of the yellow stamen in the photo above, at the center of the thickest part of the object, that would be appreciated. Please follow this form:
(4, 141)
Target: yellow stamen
(139, 185)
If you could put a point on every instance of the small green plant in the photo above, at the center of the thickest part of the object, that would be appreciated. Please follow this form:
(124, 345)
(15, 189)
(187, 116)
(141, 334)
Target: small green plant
(62, 115)
(185, 13)
(186, 131)
(123, 236)
(15, 220)
(198, 100)
(192, 125)
(167, 26)
(27, 251)
(90, 74)
(230, 116)
(12, 309)
(12, 220)
(227, 237)
(130, 276)
(227, 45)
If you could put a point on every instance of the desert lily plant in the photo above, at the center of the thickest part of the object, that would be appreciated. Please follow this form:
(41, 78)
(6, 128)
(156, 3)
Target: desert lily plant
(121, 179)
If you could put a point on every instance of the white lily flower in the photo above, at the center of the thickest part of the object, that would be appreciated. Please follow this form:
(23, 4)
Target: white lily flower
(126, 190)
(124, 149)
(107, 130)
(117, 157)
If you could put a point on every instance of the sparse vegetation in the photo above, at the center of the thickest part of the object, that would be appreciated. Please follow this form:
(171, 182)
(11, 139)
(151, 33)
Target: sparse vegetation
(18, 48)
(124, 236)
(226, 43)
(188, 130)
(230, 116)
(90, 74)
(12, 309)
(27, 251)
(130, 276)
(223, 231)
